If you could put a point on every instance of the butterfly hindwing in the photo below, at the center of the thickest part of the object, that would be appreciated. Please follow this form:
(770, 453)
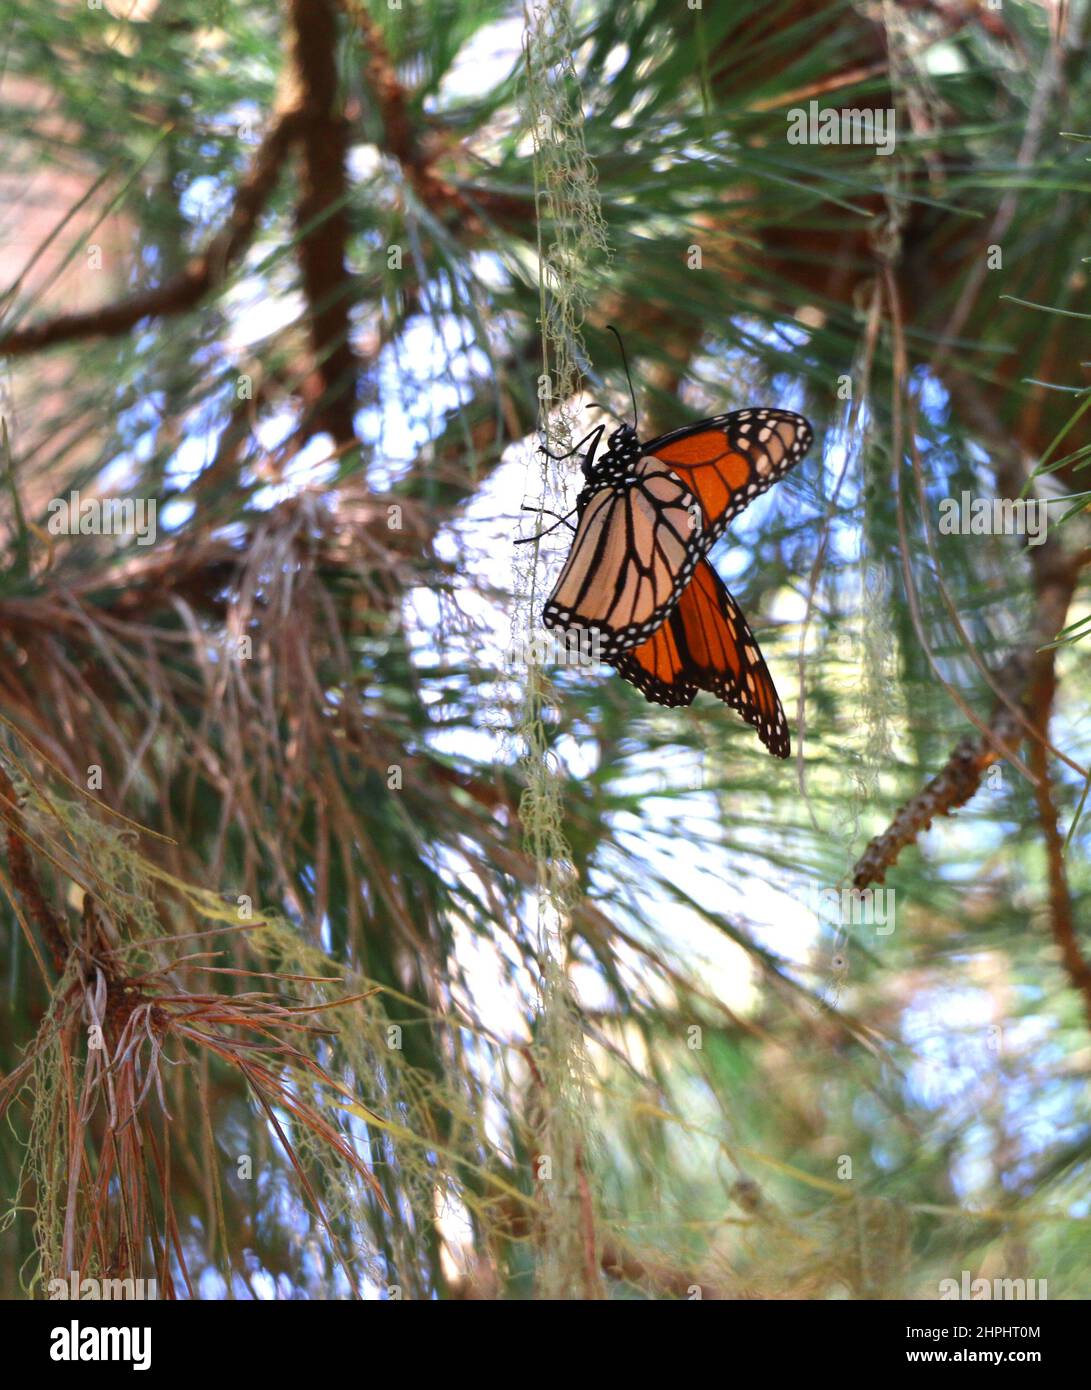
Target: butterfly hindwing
(706, 644)
(635, 548)
(728, 460)
(658, 668)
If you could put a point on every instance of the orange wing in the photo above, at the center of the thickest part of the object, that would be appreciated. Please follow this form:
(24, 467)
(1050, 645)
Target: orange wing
(658, 667)
(706, 644)
(729, 460)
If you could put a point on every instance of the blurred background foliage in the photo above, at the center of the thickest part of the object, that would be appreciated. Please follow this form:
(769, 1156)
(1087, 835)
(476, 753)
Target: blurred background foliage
(276, 267)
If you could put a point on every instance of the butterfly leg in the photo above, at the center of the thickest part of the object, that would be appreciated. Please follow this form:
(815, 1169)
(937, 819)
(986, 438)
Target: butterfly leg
(544, 511)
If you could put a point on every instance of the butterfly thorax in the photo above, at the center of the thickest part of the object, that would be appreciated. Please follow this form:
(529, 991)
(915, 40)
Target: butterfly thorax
(614, 466)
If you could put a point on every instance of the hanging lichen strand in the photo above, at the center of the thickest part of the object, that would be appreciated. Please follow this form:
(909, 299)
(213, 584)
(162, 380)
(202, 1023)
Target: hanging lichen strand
(571, 236)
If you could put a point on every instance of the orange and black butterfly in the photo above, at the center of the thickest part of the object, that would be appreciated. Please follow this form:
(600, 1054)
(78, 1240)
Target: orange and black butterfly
(637, 577)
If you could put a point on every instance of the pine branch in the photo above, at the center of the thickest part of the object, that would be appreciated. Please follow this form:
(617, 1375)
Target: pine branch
(193, 282)
(25, 879)
(453, 205)
(322, 217)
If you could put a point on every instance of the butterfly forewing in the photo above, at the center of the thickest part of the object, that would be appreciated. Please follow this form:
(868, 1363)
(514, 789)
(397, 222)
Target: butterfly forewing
(729, 460)
(637, 542)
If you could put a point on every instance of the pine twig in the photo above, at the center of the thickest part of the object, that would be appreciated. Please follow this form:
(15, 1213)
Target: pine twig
(944, 794)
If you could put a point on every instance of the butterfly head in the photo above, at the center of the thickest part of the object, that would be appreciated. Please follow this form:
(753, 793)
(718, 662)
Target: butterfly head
(623, 448)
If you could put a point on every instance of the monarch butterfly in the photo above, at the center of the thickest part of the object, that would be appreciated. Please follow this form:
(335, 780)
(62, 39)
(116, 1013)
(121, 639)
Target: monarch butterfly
(637, 575)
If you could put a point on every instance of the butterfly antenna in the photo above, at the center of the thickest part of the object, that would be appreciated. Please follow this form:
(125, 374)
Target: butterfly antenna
(559, 458)
(628, 378)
